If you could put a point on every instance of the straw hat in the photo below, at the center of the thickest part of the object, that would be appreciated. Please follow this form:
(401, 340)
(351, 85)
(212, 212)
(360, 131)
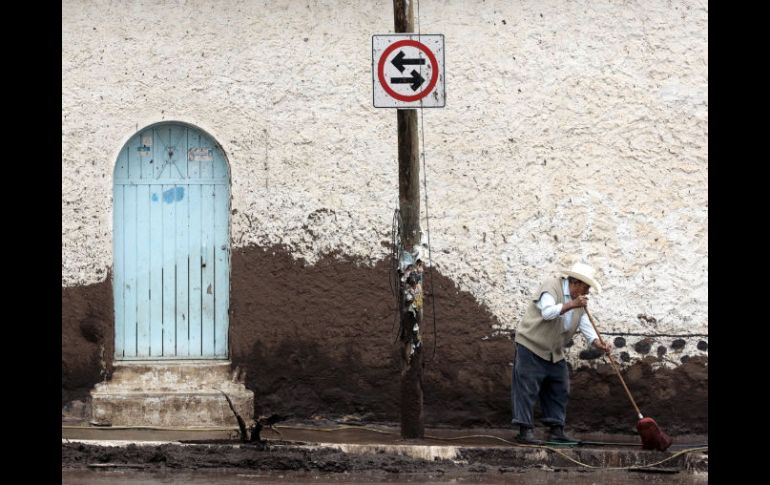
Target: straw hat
(586, 274)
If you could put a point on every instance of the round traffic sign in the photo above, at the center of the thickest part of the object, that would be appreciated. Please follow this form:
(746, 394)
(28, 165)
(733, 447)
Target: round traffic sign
(386, 84)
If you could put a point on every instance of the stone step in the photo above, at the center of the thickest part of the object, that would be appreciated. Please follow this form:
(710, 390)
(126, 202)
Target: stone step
(170, 375)
(179, 393)
(171, 409)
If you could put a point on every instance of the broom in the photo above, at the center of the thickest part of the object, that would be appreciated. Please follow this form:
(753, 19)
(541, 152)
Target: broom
(653, 438)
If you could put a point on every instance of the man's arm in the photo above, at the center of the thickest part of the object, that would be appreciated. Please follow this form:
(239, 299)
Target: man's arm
(550, 310)
(578, 302)
(590, 334)
(548, 307)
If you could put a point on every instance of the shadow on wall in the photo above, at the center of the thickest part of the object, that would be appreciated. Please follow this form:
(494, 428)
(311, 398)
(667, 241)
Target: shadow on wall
(319, 340)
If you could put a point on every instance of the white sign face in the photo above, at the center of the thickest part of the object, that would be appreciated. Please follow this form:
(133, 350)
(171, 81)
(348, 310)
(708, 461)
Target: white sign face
(408, 71)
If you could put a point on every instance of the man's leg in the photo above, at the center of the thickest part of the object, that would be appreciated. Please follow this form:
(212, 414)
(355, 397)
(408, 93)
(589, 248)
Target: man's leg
(528, 372)
(554, 396)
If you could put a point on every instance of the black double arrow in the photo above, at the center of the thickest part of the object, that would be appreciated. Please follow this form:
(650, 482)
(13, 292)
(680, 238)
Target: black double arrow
(415, 80)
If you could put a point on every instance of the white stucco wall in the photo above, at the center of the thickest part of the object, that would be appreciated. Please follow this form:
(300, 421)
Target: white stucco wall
(572, 129)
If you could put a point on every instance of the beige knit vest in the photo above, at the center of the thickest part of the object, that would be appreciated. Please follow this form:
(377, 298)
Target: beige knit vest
(547, 338)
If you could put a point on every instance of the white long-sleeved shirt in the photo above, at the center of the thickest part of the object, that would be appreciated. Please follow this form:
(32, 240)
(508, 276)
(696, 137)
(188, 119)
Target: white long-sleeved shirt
(550, 310)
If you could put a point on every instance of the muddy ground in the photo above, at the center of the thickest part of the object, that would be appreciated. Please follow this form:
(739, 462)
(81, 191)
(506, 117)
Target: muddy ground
(76, 455)
(318, 340)
(289, 456)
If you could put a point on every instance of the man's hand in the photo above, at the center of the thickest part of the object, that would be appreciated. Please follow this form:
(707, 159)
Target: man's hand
(580, 301)
(601, 346)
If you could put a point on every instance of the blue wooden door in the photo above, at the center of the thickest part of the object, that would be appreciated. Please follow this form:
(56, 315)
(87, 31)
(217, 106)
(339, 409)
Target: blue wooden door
(171, 252)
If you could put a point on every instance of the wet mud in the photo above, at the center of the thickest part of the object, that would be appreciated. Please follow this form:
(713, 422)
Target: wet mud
(284, 462)
(273, 457)
(87, 328)
(319, 340)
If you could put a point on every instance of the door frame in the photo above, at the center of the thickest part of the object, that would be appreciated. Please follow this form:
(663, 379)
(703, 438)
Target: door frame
(151, 124)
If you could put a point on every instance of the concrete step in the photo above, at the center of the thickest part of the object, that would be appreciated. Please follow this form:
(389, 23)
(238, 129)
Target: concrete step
(178, 393)
(172, 374)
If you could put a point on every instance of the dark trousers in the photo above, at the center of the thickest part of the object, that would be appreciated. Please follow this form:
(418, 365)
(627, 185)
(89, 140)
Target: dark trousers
(535, 377)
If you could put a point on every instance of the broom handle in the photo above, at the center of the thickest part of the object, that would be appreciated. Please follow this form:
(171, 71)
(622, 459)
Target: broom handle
(612, 361)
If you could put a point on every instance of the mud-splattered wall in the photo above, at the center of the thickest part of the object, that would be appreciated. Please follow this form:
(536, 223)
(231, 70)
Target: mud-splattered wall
(318, 340)
(572, 129)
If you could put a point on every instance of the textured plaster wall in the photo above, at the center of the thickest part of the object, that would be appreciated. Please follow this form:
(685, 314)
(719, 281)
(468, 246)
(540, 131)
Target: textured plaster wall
(573, 129)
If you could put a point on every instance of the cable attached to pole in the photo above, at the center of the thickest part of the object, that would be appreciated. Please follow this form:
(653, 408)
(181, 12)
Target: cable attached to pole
(427, 214)
(395, 258)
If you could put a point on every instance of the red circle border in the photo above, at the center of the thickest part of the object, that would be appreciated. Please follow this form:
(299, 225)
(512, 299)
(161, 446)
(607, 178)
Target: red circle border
(381, 70)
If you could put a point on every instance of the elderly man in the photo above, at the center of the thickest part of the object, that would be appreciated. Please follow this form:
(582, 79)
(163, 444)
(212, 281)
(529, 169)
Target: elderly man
(553, 315)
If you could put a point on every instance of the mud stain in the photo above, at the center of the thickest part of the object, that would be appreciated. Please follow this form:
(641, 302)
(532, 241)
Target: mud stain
(87, 324)
(318, 340)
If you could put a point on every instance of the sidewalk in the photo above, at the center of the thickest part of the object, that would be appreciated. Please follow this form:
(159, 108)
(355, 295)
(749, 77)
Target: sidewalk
(333, 446)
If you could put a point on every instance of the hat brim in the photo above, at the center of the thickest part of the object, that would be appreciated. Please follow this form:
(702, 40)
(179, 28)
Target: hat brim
(585, 279)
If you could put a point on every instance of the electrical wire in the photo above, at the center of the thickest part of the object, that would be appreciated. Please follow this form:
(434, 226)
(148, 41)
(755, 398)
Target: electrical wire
(393, 433)
(427, 213)
(544, 447)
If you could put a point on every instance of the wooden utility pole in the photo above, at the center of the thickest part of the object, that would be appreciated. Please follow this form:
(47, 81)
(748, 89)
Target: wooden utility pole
(412, 418)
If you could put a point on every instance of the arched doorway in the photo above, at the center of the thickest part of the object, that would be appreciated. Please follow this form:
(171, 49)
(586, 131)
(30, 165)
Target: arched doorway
(171, 251)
